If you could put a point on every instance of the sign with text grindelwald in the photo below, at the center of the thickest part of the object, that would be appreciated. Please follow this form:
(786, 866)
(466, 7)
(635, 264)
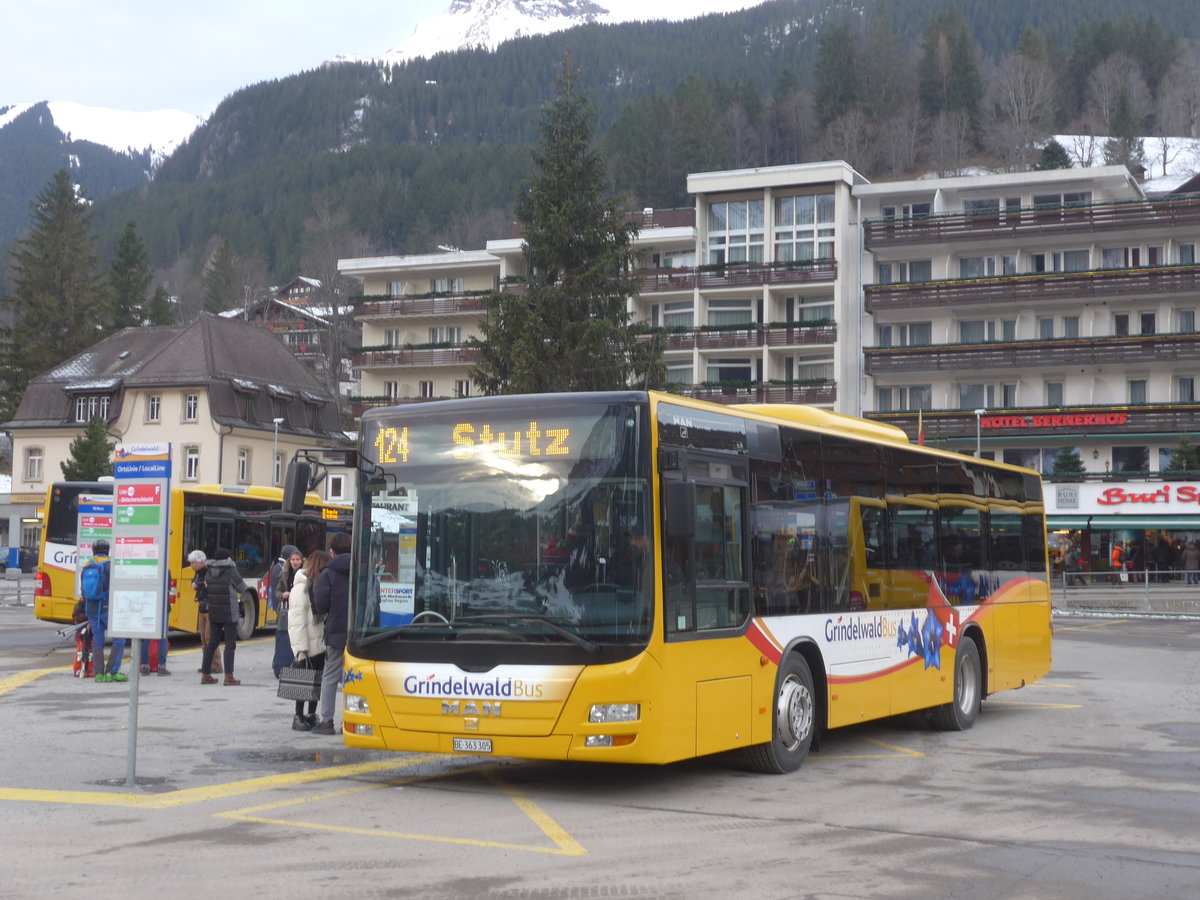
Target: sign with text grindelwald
(138, 583)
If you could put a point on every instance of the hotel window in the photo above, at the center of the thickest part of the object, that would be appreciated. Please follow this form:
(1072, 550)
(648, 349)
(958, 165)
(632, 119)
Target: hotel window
(735, 232)
(980, 208)
(1121, 324)
(678, 314)
(33, 463)
(1054, 393)
(679, 373)
(977, 267)
(725, 371)
(907, 334)
(1146, 322)
(810, 309)
(730, 312)
(391, 337)
(395, 288)
(243, 465)
(915, 396)
(1045, 262)
(154, 408)
(1187, 254)
(1071, 198)
(90, 407)
(1137, 390)
(191, 407)
(1009, 265)
(1045, 326)
(1185, 389)
(1113, 258)
(974, 396)
(913, 271)
(1070, 326)
(446, 285)
(1185, 321)
(391, 390)
(804, 228)
(1008, 396)
(1076, 261)
(445, 335)
(906, 211)
(425, 390)
(462, 387)
(191, 463)
(815, 371)
(976, 331)
(1154, 256)
(1131, 459)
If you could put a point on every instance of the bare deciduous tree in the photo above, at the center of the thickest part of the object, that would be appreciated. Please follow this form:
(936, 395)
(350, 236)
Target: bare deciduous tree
(1019, 110)
(949, 142)
(905, 134)
(1119, 73)
(851, 137)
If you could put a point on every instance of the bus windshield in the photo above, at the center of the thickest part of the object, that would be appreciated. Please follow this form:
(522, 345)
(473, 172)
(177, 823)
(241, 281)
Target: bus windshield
(507, 527)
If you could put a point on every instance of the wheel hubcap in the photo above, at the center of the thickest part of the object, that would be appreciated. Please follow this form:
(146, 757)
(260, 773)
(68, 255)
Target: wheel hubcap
(794, 712)
(968, 684)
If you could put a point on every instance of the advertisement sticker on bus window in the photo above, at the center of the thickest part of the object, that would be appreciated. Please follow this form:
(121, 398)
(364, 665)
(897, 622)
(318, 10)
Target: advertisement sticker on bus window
(684, 427)
(394, 550)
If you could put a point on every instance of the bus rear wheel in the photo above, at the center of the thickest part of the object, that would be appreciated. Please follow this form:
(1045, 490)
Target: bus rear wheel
(249, 620)
(793, 721)
(961, 712)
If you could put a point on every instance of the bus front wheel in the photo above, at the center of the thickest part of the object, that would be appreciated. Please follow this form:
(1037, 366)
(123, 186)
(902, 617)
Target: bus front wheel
(249, 619)
(794, 720)
(960, 713)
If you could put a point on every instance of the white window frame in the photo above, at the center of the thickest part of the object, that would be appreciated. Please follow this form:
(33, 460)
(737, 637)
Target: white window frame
(243, 465)
(154, 408)
(191, 407)
(336, 491)
(191, 463)
(34, 465)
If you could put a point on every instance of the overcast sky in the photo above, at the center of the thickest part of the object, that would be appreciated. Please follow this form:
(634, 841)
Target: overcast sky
(144, 55)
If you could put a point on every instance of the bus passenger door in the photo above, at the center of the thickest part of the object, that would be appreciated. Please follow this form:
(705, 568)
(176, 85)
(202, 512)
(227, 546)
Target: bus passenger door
(706, 597)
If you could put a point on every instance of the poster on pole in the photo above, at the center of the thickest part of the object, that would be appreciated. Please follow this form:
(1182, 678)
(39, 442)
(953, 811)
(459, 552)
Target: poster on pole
(141, 499)
(94, 522)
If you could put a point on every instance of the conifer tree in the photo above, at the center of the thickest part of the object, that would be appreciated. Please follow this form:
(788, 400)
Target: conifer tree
(948, 70)
(1125, 147)
(1054, 156)
(91, 454)
(128, 279)
(58, 298)
(837, 74)
(1068, 462)
(221, 291)
(160, 310)
(1184, 457)
(570, 330)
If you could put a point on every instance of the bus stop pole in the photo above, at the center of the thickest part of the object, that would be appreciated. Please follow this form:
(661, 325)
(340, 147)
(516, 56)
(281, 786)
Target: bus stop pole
(135, 665)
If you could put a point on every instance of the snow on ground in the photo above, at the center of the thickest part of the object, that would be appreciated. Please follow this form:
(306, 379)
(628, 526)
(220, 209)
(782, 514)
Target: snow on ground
(1170, 161)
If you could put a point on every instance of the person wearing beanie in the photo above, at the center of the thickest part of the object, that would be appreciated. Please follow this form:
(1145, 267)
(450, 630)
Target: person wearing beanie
(279, 587)
(224, 588)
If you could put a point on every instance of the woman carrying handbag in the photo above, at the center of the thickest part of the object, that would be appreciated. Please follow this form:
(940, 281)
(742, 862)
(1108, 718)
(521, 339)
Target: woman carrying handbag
(306, 634)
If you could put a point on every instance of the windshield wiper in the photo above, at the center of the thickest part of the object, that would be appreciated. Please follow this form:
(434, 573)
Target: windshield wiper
(575, 638)
(399, 629)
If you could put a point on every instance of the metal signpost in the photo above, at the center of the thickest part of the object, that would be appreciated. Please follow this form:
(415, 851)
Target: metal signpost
(138, 584)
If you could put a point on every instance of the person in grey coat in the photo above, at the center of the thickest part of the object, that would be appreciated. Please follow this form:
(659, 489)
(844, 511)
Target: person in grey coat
(224, 589)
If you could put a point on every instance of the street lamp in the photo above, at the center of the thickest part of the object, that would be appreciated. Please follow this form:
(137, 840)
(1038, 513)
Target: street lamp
(275, 453)
(978, 434)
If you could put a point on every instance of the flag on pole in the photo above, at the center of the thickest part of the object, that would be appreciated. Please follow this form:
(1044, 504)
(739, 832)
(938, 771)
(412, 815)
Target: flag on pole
(920, 429)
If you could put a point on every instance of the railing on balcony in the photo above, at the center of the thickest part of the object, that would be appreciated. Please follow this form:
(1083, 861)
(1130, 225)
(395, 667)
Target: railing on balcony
(736, 275)
(749, 336)
(1115, 350)
(428, 305)
(1068, 219)
(758, 393)
(1125, 422)
(1094, 284)
(414, 356)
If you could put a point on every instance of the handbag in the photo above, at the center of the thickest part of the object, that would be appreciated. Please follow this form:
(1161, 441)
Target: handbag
(299, 682)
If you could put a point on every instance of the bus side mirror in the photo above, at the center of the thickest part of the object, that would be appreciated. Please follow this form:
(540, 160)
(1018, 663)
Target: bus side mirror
(295, 486)
(679, 513)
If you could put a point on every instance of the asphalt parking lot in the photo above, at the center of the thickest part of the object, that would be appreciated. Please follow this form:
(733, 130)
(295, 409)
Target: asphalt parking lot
(1082, 786)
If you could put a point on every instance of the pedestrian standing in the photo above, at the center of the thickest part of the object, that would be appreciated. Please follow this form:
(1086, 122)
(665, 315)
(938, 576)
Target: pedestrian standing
(1190, 560)
(198, 561)
(306, 631)
(224, 587)
(279, 583)
(331, 599)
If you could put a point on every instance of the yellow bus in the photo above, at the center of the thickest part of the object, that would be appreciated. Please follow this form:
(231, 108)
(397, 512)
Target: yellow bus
(248, 520)
(637, 577)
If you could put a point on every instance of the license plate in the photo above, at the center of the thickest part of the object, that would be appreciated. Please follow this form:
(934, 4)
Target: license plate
(473, 745)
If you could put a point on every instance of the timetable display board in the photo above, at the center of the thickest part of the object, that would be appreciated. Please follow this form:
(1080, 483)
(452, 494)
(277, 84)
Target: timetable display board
(138, 592)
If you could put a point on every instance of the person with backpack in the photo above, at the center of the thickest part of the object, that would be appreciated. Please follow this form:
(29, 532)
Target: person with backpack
(93, 583)
(223, 589)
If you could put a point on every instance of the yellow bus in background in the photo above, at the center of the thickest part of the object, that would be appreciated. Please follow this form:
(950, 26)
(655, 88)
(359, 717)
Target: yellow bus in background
(637, 577)
(248, 520)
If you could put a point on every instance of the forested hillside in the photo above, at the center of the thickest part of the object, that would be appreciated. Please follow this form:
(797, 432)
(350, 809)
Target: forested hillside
(433, 151)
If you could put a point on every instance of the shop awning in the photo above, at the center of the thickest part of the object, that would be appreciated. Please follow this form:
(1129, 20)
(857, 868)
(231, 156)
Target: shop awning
(1117, 522)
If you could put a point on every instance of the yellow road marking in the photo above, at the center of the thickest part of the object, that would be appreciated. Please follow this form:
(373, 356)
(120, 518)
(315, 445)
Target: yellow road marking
(1093, 625)
(1053, 684)
(1030, 704)
(897, 752)
(564, 844)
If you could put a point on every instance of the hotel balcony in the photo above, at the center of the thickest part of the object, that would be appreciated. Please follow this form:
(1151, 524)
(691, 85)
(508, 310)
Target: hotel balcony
(413, 357)
(1048, 221)
(824, 393)
(1093, 423)
(424, 305)
(1138, 349)
(1094, 284)
(788, 335)
(736, 275)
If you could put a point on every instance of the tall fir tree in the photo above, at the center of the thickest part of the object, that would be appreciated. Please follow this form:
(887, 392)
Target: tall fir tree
(1185, 457)
(160, 310)
(837, 74)
(571, 329)
(1125, 147)
(59, 304)
(91, 454)
(221, 289)
(1067, 462)
(948, 70)
(129, 279)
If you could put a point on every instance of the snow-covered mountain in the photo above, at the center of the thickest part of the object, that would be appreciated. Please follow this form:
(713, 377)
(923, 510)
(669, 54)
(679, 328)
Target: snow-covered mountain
(489, 23)
(158, 132)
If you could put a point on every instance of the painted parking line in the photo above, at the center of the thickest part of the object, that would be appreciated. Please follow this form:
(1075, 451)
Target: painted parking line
(561, 843)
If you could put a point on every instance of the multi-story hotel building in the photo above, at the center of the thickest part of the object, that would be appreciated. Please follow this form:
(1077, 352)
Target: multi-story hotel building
(1012, 315)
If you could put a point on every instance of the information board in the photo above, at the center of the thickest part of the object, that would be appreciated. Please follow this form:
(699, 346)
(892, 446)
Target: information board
(138, 593)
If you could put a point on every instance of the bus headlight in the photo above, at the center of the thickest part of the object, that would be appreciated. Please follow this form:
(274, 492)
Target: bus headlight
(615, 712)
(356, 704)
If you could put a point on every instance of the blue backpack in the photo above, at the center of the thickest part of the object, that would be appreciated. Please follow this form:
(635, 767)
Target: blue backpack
(93, 581)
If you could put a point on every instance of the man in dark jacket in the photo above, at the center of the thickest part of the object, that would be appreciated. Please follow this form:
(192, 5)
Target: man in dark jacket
(331, 599)
(223, 589)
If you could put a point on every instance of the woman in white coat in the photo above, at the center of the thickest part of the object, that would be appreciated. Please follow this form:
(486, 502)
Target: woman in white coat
(305, 632)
